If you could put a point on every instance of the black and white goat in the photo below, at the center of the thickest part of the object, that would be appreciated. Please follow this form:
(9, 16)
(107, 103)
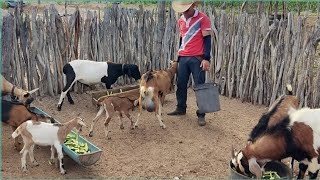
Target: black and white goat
(92, 72)
(296, 136)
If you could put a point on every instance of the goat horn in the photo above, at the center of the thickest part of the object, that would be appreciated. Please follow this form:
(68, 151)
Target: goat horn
(32, 91)
(96, 100)
(255, 168)
(232, 152)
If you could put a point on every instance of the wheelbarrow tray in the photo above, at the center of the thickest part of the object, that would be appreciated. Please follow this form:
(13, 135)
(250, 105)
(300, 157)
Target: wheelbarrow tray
(82, 159)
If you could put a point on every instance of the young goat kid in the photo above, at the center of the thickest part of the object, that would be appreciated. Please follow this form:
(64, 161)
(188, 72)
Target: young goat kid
(15, 113)
(44, 134)
(120, 103)
(154, 86)
(296, 136)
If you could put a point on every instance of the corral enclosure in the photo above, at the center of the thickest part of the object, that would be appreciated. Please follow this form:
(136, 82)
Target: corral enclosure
(252, 60)
(249, 55)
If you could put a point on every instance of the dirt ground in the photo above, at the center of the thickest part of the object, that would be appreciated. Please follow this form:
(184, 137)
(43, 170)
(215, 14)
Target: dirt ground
(183, 149)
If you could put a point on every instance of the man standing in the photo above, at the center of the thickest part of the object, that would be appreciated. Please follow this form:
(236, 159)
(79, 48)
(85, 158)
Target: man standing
(193, 54)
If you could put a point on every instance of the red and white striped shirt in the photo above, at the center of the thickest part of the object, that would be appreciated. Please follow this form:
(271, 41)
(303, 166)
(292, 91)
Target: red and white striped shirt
(191, 33)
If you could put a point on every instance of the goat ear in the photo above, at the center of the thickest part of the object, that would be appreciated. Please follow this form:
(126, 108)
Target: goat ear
(255, 168)
(34, 90)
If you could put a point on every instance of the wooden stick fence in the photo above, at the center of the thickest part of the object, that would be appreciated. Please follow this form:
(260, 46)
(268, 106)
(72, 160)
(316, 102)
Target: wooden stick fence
(252, 60)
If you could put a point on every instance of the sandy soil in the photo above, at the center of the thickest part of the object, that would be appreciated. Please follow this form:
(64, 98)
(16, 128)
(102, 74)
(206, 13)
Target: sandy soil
(182, 150)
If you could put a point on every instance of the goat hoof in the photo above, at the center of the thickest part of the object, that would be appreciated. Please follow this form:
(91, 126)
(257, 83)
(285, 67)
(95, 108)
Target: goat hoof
(163, 126)
(132, 127)
(35, 163)
(59, 108)
(18, 148)
(121, 126)
(24, 168)
(108, 138)
(72, 102)
(63, 172)
(51, 161)
(90, 134)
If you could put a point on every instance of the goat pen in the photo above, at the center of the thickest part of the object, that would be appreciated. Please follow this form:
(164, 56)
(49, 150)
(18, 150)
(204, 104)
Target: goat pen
(252, 60)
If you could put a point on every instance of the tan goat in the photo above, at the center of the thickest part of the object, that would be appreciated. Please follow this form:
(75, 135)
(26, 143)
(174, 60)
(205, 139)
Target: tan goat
(154, 86)
(120, 103)
(21, 95)
(45, 134)
(15, 113)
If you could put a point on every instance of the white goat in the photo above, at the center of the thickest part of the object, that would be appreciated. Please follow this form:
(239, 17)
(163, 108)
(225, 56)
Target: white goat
(44, 134)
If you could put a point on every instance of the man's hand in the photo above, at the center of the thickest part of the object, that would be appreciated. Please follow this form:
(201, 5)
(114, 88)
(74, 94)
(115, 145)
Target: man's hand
(205, 65)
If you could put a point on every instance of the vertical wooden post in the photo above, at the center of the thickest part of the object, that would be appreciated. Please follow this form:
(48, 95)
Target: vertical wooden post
(275, 12)
(318, 10)
(299, 8)
(270, 7)
(243, 6)
(65, 7)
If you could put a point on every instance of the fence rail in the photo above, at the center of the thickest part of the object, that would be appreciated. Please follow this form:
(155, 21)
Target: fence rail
(253, 60)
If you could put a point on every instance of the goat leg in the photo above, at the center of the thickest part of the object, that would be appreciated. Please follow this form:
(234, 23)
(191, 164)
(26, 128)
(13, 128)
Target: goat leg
(52, 154)
(130, 118)
(70, 98)
(24, 161)
(106, 125)
(60, 157)
(120, 120)
(158, 113)
(24, 152)
(302, 170)
(31, 155)
(140, 111)
(94, 121)
(64, 92)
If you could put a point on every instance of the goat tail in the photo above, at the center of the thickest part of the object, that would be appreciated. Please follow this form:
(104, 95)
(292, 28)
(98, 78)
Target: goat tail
(16, 133)
(289, 89)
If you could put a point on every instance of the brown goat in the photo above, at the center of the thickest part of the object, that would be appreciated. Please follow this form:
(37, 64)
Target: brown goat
(21, 95)
(14, 114)
(154, 86)
(276, 113)
(121, 103)
(296, 136)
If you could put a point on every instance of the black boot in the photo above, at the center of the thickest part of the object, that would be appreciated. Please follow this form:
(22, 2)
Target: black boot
(201, 118)
(201, 121)
(177, 113)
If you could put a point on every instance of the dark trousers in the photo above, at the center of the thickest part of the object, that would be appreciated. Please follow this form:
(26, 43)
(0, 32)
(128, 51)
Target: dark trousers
(187, 65)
